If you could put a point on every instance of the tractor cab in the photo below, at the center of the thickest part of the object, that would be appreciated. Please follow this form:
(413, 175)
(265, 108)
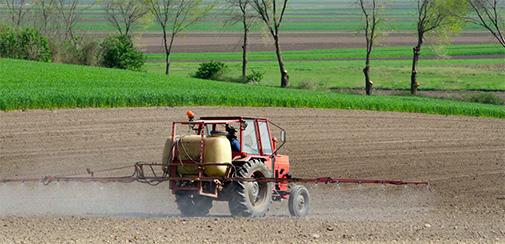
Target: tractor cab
(253, 134)
(224, 153)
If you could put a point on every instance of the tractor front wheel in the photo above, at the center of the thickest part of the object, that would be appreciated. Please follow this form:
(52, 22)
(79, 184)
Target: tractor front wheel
(251, 199)
(299, 201)
(193, 205)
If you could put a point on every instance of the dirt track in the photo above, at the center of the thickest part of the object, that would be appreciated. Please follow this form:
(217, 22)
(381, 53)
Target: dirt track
(463, 157)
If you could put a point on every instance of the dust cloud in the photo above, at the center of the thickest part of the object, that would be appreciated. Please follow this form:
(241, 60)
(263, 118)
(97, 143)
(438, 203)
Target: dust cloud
(371, 202)
(349, 202)
(72, 198)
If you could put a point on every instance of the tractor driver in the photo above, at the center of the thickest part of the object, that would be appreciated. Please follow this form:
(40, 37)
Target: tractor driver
(235, 144)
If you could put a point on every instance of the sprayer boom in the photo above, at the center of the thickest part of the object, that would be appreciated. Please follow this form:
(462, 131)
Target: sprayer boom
(151, 177)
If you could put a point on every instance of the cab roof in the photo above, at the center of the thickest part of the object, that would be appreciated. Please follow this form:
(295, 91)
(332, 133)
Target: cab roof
(231, 118)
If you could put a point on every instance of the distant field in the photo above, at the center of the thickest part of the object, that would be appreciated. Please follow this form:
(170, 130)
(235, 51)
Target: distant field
(31, 85)
(437, 74)
(305, 25)
(301, 15)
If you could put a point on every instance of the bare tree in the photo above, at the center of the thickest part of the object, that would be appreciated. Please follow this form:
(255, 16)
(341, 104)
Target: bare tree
(432, 16)
(174, 16)
(68, 10)
(487, 15)
(44, 12)
(17, 10)
(271, 13)
(244, 15)
(125, 14)
(370, 11)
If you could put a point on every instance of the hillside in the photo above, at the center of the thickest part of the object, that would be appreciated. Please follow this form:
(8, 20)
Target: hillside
(33, 85)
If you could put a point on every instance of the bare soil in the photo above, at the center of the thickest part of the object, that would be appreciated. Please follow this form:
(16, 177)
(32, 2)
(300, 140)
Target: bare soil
(460, 95)
(231, 41)
(462, 157)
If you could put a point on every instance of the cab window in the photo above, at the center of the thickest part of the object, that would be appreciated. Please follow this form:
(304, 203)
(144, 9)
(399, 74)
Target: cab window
(250, 141)
(265, 138)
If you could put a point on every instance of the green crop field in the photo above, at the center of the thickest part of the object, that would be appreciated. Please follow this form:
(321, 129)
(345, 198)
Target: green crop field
(30, 85)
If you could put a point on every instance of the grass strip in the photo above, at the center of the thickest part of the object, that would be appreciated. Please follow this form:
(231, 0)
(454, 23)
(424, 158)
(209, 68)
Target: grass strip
(341, 53)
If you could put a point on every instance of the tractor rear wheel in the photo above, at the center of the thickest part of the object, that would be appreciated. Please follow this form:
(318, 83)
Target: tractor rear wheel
(299, 201)
(251, 199)
(192, 205)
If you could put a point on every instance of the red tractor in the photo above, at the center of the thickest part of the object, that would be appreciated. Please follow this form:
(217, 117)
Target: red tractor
(232, 151)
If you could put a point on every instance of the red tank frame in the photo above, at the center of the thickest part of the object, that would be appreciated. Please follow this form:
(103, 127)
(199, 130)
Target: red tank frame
(279, 164)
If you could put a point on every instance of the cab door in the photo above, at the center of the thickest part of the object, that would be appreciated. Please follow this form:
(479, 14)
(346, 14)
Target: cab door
(264, 135)
(249, 142)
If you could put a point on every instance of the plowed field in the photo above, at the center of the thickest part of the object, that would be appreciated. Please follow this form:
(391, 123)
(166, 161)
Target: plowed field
(463, 158)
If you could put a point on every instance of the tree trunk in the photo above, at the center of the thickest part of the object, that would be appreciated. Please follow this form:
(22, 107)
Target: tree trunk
(20, 14)
(244, 53)
(44, 24)
(368, 83)
(127, 30)
(366, 70)
(168, 51)
(284, 72)
(167, 63)
(413, 78)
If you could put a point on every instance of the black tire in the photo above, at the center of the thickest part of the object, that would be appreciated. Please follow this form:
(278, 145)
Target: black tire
(193, 205)
(299, 201)
(251, 199)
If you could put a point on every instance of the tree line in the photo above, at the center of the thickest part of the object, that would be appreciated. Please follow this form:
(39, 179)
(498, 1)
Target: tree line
(434, 19)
